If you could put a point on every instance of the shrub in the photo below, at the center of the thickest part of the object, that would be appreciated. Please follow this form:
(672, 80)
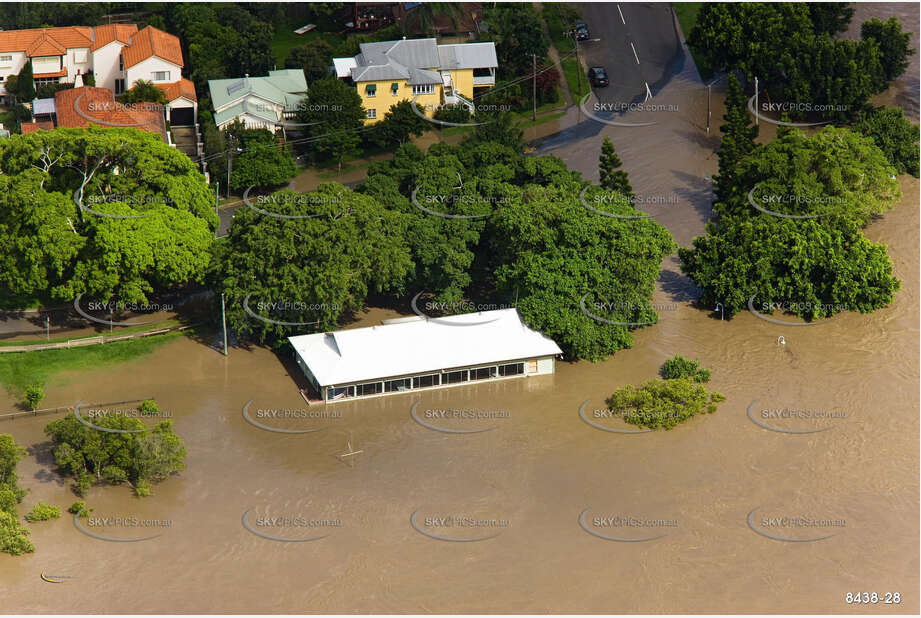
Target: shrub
(452, 114)
(680, 367)
(662, 403)
(34, 396)
(148, 407)
(43, 512)
(79, 508)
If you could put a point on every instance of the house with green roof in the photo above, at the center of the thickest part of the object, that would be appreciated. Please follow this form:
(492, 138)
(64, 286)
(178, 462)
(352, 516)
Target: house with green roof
(259, 102)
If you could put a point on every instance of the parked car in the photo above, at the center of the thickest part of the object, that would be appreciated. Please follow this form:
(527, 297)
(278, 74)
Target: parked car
(598, 77)
(582, 32)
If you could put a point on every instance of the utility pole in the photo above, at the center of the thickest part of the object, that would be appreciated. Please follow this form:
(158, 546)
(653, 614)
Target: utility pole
(575, 41)
(534, 87)
(229, 164)
(224, 323)
(756, 101)
(217, 190)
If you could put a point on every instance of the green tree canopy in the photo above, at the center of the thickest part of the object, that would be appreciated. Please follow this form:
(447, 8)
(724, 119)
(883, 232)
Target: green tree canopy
(894, 134)
(144, 91)
(662, 404)
(334, 115)
(834, 172)
(263, 163)
(811, 269)
(612, 177)
(92, 456)
(311, 270)
(49, 246)
(314, 57)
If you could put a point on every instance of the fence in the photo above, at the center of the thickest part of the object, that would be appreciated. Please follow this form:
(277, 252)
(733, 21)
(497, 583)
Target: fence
(12, 415)
(98, 339)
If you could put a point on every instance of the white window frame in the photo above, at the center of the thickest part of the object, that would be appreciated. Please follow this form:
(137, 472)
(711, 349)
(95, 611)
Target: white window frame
(371, 114)
(424, 89)
(165, 77)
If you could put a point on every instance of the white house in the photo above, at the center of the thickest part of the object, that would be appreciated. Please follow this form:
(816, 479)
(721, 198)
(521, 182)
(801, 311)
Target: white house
(259, 102)
(118, 55)
(416, 353)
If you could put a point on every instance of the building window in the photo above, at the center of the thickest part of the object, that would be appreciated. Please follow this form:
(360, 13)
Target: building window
(423, 89)
(532, 366)
(79, 56)
(119, 86)
(370, 389)
(483, 373)
(512, 369)
(161, 76)
(371, 90)
(6, 60)
(121, 63)
(426, 381)
(403, 384)
(372, 114)
(394, 89)
(453, 377)
(340, 393)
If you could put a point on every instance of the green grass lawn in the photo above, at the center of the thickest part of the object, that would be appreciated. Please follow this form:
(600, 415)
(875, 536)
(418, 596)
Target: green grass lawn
(687, 17)
(285, 40)
(576, 78)
(22, 369)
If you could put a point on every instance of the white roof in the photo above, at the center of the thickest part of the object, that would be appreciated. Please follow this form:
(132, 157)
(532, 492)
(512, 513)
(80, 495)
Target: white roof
(344, 66)
(420, 346)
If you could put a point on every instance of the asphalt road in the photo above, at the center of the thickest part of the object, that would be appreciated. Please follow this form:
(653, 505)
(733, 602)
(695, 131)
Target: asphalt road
(638, 46)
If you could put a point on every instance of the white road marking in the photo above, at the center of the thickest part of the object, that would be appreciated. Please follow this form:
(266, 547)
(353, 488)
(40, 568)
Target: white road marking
(634, 52)
(621, 15)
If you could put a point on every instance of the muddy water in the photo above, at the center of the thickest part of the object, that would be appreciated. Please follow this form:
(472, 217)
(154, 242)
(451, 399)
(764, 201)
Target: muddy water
(537, 469)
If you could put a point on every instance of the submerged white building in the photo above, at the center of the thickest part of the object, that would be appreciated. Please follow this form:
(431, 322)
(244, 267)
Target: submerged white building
(417, 353)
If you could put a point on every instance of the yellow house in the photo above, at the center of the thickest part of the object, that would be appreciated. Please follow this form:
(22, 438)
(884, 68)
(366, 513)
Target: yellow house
(433, 75)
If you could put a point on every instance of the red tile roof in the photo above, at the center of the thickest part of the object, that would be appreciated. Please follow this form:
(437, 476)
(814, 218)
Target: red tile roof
(151, 42)
(56, 38)
(113, 32)
(182, 88)
(139, 45)
(32, 127)
(45, 45)
(81, 107)
(60, 73)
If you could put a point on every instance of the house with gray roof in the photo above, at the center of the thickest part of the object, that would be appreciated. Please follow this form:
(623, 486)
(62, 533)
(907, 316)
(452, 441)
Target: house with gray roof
(259, 102)
(434, 76)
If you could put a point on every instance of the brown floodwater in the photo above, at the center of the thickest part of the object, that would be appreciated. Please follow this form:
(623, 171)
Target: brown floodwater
(537, 468)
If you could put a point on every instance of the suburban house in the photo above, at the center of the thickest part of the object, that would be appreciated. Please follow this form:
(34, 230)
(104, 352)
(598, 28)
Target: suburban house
(433, 75)
(85, 106)
(410, 354)
(117, 55)
(259, 102)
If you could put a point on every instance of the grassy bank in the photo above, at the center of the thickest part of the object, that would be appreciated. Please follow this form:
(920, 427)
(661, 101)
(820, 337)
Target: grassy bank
(687, 17)
(22, 369)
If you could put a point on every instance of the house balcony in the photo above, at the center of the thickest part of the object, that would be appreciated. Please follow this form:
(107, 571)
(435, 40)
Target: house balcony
(484, 77)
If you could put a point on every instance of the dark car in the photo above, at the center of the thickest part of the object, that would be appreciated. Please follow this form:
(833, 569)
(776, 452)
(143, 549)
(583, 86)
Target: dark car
(581, 32)
(598, 77)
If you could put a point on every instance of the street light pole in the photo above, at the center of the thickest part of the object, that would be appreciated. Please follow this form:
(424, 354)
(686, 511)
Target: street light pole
(224, 323)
